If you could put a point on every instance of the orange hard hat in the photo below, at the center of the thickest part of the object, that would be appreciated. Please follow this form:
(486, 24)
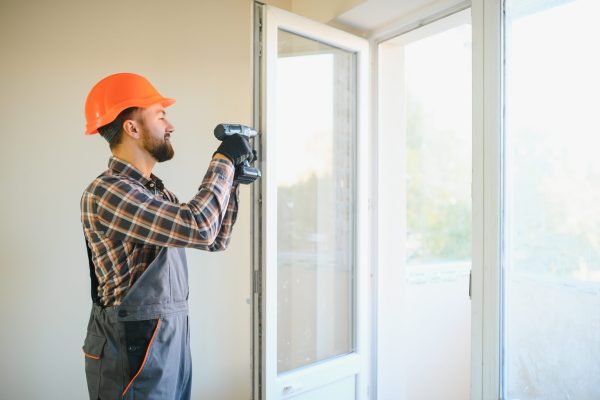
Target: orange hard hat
(116, 93)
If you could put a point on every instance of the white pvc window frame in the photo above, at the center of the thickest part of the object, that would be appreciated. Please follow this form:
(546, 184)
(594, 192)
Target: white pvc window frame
(487, 152)
(488, 62)
(268, 383)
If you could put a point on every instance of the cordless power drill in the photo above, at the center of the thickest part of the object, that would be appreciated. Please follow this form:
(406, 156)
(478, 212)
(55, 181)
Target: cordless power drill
(244, 173)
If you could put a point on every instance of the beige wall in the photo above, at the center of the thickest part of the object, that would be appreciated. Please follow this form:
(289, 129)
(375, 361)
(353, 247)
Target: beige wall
(52, 53)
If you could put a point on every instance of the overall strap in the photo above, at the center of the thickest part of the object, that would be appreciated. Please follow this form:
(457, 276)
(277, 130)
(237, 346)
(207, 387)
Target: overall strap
(93, 277)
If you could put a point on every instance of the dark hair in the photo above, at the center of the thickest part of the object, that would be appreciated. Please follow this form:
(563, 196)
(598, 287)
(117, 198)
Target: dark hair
(113, 132)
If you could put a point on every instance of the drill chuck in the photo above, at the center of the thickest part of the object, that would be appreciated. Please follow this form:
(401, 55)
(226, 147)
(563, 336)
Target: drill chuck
(223, 130)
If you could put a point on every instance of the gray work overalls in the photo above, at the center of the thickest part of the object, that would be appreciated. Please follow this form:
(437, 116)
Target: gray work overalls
(140, 349)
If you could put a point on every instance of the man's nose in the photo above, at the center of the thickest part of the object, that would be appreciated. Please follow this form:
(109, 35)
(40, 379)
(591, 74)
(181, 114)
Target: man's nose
(170, 127)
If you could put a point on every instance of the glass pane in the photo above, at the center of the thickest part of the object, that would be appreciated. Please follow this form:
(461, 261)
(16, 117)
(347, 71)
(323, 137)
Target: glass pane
(438, 99)
(438, 199)
(316, 131)
(552, 208)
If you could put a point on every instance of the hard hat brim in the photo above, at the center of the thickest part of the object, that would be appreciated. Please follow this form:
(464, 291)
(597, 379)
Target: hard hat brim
(92, 126)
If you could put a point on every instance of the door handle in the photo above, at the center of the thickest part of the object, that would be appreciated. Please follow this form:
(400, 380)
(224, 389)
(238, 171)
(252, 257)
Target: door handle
(289, 389)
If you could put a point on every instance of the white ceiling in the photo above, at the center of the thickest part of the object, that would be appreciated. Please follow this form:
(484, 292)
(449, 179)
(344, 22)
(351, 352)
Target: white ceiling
(375, 14)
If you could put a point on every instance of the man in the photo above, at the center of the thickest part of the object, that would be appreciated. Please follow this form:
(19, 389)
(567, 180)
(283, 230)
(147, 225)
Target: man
(137, 342)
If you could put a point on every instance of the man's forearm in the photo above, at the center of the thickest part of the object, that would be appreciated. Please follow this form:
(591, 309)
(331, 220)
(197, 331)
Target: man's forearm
(224, 236)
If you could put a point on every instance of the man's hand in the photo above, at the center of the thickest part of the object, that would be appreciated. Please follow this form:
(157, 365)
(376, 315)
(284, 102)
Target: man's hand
(236, 148)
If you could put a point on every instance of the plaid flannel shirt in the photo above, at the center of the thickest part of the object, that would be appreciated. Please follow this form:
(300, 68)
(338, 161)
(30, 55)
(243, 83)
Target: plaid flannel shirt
(127, 219)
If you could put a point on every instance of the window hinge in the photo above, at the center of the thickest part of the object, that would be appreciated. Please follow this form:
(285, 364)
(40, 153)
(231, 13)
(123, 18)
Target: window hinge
(260, 37)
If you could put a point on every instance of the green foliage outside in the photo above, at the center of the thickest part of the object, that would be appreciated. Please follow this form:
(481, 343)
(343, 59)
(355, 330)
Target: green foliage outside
(438, 165)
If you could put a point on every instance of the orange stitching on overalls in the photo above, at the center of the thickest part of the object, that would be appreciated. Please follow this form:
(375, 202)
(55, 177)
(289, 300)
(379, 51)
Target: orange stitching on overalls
(91, 356)
(143, 362)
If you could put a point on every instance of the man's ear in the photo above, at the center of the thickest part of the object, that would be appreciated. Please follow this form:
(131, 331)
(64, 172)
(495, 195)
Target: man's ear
(132, 128)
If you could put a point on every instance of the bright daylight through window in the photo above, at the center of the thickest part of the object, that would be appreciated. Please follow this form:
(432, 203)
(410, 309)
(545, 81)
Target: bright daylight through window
(551, 268)
(315, 201)
(425, 105)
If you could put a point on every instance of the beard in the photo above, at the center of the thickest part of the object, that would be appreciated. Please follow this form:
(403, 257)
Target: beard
(161, 150)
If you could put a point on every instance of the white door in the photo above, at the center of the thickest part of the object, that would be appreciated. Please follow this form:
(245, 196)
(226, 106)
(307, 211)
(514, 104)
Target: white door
(312, 207)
